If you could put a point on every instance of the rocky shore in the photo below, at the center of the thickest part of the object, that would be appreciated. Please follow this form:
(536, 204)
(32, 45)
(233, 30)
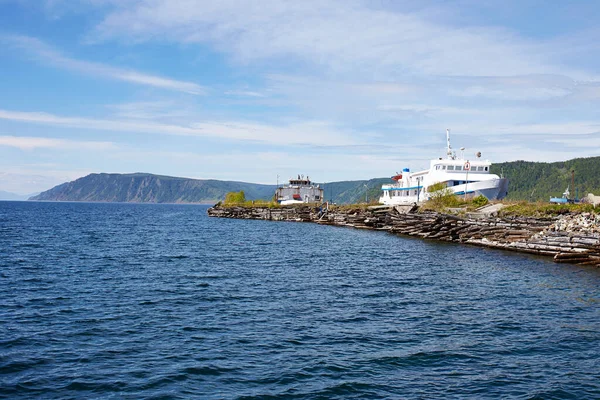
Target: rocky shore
(569, 238)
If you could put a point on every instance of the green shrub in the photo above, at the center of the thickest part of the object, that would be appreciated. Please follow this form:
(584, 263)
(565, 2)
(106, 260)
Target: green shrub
(480, 201)
(441, 196)
(235, 198)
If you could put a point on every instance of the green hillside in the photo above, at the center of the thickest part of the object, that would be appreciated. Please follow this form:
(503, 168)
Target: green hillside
(348, 192)
(540, 181)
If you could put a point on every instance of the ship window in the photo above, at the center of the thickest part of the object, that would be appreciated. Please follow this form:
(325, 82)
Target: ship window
(443, 167)
(458, 168)
(486, 168)
(450, 167)
(415, 192)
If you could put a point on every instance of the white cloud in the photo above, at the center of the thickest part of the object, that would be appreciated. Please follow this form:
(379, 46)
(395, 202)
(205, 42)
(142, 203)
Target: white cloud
(24, 180)
(155, 110)
(304, 133)
(264, 166)
(345, 36)
(244, 93)
(505, 131)
(30, 143)
(47, 54)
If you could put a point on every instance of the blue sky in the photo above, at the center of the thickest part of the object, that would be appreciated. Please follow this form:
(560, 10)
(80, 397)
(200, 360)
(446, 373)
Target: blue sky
(248, 90)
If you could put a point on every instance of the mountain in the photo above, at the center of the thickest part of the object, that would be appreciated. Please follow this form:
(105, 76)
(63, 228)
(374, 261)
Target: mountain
(540, 181)
(12, 196)
(348, 192)
(148, 188)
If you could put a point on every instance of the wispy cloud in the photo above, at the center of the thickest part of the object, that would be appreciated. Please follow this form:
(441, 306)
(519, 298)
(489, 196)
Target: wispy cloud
(244, 93)
(48, 54)
(344, 36)
(25, 180)
(155, 110)
(304, 133)
(30, 143)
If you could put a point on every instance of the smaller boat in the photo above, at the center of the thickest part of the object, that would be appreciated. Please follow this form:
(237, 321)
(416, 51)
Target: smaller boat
(298, 191)
(562, 200)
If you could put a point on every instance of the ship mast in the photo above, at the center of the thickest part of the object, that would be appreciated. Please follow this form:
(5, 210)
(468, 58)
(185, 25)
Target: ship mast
(448, 147)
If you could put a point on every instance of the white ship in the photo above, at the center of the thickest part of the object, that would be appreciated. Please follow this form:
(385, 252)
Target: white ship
(461, 176)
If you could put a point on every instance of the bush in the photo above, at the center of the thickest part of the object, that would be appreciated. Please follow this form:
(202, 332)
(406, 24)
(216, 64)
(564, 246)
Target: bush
(235, 198)
(441, 196)
(480, 201)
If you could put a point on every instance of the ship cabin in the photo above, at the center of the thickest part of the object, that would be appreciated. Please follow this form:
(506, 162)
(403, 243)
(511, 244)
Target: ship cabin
(456, 172)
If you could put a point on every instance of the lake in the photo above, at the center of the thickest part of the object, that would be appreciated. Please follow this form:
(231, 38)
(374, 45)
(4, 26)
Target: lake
(160, 301)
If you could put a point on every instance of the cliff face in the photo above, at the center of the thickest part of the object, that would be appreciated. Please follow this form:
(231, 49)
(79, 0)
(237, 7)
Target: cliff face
(148, 188)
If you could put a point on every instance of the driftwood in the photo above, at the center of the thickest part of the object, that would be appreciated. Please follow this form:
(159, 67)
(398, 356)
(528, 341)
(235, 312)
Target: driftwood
(568, 239)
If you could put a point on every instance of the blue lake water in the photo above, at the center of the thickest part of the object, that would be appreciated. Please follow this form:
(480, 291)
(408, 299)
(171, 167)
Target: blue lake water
(160, 301)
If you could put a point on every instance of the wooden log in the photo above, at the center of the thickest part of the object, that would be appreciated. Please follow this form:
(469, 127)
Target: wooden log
(567, 256)
(571, 260)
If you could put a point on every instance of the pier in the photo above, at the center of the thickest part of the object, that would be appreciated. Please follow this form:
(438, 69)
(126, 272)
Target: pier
(569, 238)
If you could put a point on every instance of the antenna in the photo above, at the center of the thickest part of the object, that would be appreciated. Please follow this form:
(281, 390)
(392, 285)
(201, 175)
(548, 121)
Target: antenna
(573, 179)
(448, 147)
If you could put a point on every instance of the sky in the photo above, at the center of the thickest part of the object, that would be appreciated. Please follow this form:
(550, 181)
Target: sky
(260, 91)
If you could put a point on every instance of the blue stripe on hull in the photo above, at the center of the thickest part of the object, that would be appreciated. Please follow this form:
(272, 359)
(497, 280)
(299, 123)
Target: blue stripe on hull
(407, 188)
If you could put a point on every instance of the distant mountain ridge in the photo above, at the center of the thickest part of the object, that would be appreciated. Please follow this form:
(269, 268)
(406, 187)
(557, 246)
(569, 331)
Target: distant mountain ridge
(4, 195)
(149, 188)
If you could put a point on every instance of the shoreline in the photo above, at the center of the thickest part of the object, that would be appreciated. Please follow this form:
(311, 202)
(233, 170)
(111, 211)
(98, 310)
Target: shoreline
(571, 238)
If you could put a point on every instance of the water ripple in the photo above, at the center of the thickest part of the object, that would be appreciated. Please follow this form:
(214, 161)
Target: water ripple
(159, 301)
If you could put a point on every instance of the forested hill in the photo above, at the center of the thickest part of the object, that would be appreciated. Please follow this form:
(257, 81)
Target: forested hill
(148, 188)
(527, 181)
(540, 181)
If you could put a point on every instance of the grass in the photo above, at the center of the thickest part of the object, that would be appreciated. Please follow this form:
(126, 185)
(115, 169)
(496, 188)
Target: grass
(251, 204)
(446, 204)
(542, 209)
(449, 201)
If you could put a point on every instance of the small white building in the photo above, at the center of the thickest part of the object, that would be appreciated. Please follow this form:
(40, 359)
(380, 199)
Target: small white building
(300, 190)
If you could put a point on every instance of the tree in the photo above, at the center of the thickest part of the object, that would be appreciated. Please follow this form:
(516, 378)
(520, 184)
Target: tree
(441, 196)
(235, 197)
